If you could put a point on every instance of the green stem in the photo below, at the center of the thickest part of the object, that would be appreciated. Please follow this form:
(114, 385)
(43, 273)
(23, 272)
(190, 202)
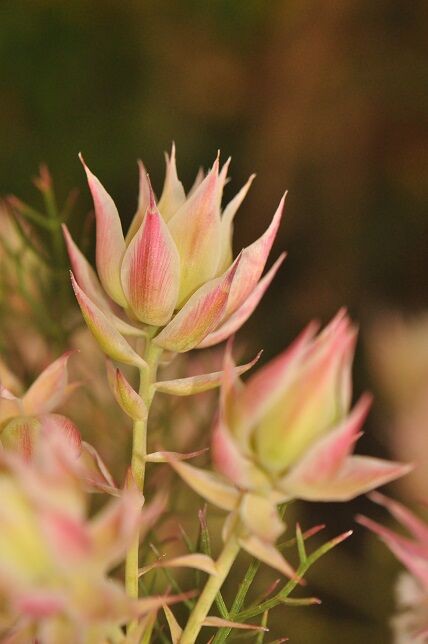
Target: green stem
(139, 451)
(212, 587)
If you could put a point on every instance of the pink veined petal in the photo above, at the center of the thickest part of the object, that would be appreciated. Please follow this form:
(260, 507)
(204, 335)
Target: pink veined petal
(358, 474)
(126, 397)
(151, 270)
(208, 485)
(413, 555)
(418, 528)
(227, 218)
(20, 434)
(196, 231)
(143, 202)
(63, 427)
(199, 316)
(268, 554)
(50, 389)
(173, 195)
(110, 244)
(241, 315)
(88, 281)
(260, 516)
(198, 384)
(325, 458)
(108, 337)
(253, 261)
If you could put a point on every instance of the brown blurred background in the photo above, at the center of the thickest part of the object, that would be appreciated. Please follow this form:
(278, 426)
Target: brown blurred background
(326, 99)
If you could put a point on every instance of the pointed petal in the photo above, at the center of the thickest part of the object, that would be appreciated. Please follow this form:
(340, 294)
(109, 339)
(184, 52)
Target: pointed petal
(151, 270)
(219, 622)
(94, 472)
(418, 528)
(173, 195)
(200, 176)
(108, 337)
(252, 264)
(88, 281)
(194, 560)
(359, 474)
(198, 384)
(126, 397)
(143, 202)
(199, 316)
(174, 627)
(267, 553)
(196, 231)
(413, 555)
(227, 226)
(50, 389)
(241, 315)
(232, 463)
(110, 245)
(325, 458)
(208, 485)
(260, 517)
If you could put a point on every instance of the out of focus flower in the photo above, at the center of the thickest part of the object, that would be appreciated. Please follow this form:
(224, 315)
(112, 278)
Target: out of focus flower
(398, 358)
(54, 560)
(174, 271)
(49, 391)
(411, 623)
(288, 433)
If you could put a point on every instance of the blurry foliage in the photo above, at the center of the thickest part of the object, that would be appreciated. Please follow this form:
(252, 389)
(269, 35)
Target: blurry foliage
(328, 100)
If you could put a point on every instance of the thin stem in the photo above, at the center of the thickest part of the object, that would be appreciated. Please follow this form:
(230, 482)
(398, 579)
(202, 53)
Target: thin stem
(212, 587)
(139, 451)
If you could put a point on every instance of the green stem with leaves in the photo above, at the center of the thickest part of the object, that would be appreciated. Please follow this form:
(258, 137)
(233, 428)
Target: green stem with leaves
(151, 355)
(212, 587)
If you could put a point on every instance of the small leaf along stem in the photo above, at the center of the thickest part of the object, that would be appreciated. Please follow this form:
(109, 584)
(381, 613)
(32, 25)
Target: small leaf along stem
(151, 355)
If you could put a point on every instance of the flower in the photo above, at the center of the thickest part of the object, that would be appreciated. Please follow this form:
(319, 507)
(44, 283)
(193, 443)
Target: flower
(53, 559)
(174, 270)
(288, 433)
(411, 623)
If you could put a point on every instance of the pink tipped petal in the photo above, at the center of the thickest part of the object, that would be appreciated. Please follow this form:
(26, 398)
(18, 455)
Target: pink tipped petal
(198, 384)
(88, 281)
(143, 202)
(227, 226)
(173, 195)
(208, 485)
(61, 426)
(94, 472)
(126, 397)
(229, 460)
(67, 536)
(151, 270)
(325, 458)
(196, 231)
(358, 474)
(413, 556)
(199, 316)
(268, 554)
(241, 315)
(108, 337)
(110, 245)
(252, 264)
(260, 516)
(418, 528)
(50, 389)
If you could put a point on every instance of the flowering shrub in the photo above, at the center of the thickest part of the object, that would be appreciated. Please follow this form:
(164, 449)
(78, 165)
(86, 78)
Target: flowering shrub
(74, 566)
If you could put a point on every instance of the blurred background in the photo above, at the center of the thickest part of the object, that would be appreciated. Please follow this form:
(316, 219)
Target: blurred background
(326, 99)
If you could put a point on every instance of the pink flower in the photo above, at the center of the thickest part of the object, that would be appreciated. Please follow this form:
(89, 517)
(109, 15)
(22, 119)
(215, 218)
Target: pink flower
(174, 270)
(411, 622)
(288, 433)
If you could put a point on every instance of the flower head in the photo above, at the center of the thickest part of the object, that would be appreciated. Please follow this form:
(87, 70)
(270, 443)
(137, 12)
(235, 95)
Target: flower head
(288, 433)
(174, 270)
